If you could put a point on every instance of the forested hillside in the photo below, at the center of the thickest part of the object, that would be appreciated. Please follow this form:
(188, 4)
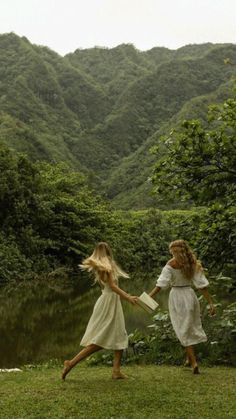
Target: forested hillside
(100, 110)
(86, 123)
(133, 173)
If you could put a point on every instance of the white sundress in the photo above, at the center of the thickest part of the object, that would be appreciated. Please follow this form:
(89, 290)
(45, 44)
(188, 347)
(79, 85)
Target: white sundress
(184, 307)
(106, 327)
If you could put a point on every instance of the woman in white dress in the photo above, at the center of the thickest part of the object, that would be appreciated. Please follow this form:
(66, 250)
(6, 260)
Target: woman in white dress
(106, 327)
(180, 273)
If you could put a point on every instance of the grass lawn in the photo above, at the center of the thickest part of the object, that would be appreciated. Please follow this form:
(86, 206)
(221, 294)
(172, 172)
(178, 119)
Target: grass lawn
(150, 392)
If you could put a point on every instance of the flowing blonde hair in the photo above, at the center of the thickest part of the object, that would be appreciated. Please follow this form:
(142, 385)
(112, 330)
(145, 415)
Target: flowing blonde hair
(101, 261)
(185, 257)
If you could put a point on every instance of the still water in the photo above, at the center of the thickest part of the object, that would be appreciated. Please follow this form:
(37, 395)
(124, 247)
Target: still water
(41, 321)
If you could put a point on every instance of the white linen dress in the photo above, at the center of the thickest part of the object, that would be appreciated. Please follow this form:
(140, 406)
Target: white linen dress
(106, 327)
(184, 307)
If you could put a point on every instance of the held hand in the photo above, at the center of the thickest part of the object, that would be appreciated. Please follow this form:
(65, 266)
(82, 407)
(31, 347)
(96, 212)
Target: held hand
(212, 310)
(133, 299)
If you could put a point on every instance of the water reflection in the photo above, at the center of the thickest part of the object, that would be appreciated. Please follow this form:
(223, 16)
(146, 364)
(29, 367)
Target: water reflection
(41, 321)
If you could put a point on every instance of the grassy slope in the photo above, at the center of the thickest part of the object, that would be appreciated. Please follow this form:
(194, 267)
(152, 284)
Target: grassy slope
(150, 392)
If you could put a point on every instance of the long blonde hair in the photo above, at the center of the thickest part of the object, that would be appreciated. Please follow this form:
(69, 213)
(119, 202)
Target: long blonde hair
(185, 258)
(102, 262)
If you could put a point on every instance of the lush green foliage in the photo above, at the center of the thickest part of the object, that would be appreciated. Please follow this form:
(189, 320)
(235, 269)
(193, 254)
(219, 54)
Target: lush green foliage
(199, 164)
(99, 111)
(128, 175)
(95, 108)
(51, 218)
(200, 161)
(48, 218)
(140, 239)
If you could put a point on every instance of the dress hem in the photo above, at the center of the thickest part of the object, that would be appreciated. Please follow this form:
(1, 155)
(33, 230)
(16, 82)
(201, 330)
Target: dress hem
(104, 347)
(194, 343)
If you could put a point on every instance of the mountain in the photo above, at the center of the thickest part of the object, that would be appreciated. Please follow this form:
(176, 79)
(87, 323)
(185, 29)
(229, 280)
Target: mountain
(129, 184)
(101, 109)
(146, 103)
(35, 90)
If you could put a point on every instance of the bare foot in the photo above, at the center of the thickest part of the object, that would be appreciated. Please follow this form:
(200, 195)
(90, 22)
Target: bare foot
(187, 363)
(66, 369)
(196, 370)
(119, 376)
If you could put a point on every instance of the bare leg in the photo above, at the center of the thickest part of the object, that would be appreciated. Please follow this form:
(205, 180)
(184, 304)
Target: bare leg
(116, 373)
(187, 360)
(192, 359)
(68, 365)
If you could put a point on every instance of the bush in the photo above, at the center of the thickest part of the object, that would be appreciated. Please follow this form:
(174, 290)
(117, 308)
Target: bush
(13, 262)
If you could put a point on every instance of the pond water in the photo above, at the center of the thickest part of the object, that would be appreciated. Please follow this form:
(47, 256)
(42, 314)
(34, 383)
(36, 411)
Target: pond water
(41, 321)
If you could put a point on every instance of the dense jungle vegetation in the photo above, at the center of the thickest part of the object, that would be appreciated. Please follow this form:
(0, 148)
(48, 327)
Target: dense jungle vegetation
(117, 145)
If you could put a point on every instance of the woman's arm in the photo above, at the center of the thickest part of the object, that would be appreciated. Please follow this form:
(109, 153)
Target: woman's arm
(119, 291)
(205, 293)
(154, 291)
(163, 281)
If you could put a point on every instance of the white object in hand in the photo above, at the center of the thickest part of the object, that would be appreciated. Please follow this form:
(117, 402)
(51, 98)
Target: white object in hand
(147, 302)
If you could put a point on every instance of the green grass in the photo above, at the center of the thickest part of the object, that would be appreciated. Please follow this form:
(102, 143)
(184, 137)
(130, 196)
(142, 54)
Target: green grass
(156, 392)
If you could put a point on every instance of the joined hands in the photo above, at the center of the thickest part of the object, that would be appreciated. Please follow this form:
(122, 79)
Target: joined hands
(133, 299)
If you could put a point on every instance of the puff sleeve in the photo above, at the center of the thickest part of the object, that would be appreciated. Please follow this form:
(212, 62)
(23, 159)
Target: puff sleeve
(164, 279)
(199, 280)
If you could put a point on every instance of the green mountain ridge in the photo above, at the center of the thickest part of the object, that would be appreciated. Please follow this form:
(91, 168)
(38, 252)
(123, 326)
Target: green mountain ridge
(101, 109)
(150, 101)
(129, 184)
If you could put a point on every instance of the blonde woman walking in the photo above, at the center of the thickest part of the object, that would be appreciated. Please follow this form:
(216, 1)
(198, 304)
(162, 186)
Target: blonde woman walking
(180, 273)
(106, 327)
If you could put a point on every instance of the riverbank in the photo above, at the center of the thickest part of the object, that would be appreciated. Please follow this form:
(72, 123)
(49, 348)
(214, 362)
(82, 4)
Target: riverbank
(153, 392)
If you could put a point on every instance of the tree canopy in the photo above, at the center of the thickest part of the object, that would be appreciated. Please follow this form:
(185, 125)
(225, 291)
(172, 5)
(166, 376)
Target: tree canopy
(200, 161)
(198, 165)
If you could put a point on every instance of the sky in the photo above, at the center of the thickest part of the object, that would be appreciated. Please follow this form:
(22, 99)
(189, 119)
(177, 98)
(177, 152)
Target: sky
(65, 25)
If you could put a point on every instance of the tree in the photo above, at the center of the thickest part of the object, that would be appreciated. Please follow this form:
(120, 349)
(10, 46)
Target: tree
(199, 164)
(71, 217)
(49, 217)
